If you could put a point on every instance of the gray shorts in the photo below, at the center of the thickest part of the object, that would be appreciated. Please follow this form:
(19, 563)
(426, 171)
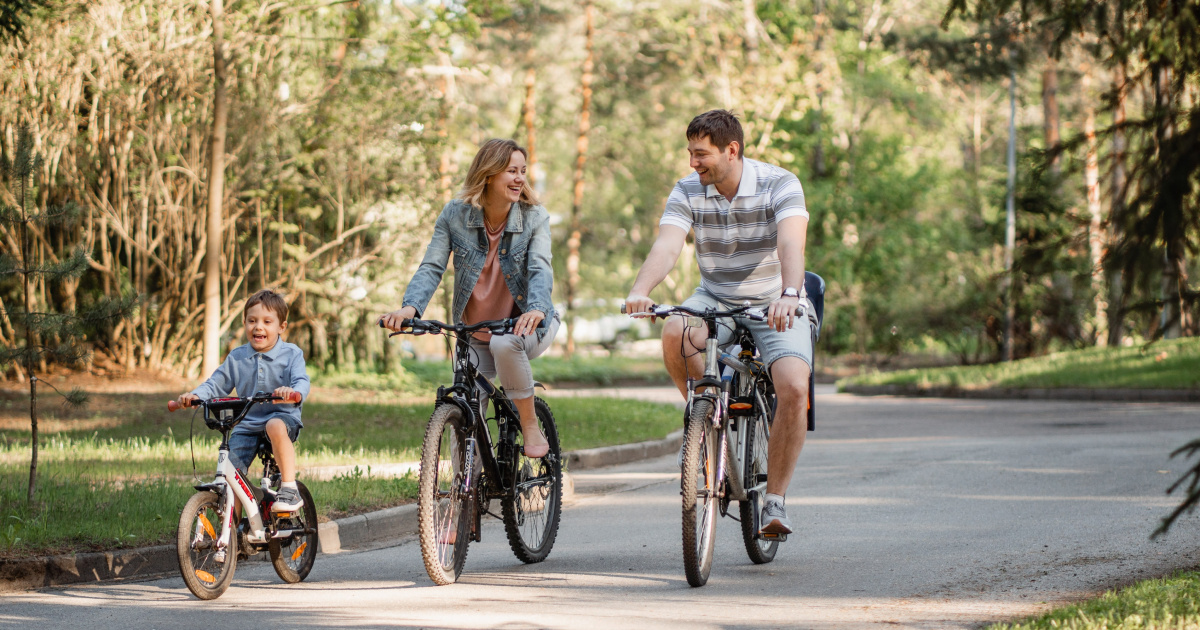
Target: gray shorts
(772, 344)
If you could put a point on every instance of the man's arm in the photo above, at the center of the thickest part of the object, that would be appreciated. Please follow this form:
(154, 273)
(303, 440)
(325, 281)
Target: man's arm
(661, 260)
(792, 233)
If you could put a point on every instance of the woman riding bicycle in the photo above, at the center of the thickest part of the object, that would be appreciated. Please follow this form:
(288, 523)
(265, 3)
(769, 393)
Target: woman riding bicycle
(500, 238)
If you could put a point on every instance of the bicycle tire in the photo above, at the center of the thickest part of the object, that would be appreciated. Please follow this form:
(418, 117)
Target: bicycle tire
(293, 557)
(760, 551)
(698, 487)
(196, 545)
(538, 484)
(443, 509)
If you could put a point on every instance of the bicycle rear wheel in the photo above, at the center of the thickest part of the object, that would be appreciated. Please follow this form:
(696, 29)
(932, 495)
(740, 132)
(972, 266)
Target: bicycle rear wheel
(532, 513)
(760, 551)
(443, 502)
(699, 485)
(206, 570)
(293, 556)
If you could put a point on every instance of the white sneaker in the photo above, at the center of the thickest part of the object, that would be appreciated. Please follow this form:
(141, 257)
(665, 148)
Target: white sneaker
(774, 519)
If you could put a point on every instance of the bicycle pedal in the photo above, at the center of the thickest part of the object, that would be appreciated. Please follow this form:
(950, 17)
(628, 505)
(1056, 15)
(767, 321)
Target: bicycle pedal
(773, 537)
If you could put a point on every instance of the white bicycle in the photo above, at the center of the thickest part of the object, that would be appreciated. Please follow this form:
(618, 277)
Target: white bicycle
(210, 543)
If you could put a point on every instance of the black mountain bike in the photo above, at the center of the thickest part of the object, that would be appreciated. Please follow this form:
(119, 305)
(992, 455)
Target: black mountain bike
(462, 469)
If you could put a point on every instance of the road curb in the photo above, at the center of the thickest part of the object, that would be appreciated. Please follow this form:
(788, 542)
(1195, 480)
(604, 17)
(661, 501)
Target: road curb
(1006, 393)
(334, 536)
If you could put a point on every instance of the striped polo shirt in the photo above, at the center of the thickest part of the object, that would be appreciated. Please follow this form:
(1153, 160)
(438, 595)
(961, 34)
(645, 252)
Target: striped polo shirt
(736, 241)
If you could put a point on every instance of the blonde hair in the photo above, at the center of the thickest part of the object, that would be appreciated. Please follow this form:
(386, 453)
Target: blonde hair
(491, 160)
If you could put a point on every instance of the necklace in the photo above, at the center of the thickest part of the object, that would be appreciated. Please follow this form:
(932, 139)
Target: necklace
(488, 224)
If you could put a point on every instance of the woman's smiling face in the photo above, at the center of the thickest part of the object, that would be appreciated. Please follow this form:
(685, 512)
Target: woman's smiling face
(508, 185)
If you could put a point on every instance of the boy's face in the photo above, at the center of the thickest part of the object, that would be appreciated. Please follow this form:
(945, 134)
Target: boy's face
(262, 327)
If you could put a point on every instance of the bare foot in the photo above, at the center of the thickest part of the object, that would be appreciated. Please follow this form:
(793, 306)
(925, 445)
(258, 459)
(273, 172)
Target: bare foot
(536, 445)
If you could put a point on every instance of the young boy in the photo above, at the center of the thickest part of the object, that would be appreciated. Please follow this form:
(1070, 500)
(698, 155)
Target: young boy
(266, 364)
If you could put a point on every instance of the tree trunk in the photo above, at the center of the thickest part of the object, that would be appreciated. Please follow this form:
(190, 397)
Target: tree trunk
(581, 145)
(1091, 172)
(216, 192)
(1116, 213)
(750, 21)
(1050, 118)
(445, 184)
(1010, 220)
(1171, 318)
(818, 155)
(30, 340)
(529, 115)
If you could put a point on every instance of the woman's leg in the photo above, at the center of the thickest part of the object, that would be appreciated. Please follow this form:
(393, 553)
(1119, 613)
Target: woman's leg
(512, 355)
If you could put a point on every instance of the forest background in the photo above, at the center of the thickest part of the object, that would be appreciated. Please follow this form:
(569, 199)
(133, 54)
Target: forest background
(350, 123)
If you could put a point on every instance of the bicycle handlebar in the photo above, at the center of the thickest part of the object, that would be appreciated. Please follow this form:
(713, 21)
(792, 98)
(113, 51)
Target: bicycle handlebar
(294, 398)
(663, 310)
(423, 326)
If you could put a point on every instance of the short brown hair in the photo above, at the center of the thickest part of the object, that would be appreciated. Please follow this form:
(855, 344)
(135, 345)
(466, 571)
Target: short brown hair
(721, 126)
(271, 300)
(491, 160)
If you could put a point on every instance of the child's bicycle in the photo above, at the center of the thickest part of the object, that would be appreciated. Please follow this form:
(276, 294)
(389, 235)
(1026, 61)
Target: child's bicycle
(210, 544)
(462, 469)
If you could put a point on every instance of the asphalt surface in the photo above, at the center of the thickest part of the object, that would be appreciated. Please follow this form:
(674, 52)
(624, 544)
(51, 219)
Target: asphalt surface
(923, 513)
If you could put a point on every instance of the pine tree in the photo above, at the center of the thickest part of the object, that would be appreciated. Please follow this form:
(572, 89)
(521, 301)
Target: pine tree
(39, 327)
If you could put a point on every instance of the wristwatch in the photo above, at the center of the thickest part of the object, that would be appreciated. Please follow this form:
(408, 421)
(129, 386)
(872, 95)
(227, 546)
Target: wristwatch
(791, 292)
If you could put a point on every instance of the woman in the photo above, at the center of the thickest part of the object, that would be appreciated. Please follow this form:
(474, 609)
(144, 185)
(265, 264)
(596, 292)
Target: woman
(500, 238)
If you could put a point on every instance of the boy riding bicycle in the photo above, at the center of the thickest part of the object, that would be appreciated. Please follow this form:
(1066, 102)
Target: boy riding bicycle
(266, 363)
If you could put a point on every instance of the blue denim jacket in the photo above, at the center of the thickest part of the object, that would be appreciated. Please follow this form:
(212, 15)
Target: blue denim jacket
(524, 258)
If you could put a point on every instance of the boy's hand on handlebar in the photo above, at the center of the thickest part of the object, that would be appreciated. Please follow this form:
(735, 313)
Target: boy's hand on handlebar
(528, 322)
(394, 321)
(187, 400)
(288, 394)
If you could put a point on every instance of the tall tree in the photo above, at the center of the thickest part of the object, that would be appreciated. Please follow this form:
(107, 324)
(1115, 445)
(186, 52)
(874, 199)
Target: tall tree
(581, 147)
(216, 196)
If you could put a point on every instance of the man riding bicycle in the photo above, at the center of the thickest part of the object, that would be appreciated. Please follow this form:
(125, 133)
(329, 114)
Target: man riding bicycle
(750, 224)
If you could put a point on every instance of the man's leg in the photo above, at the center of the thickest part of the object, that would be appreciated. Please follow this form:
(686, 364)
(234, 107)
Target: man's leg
(683, 352)
(790, 427)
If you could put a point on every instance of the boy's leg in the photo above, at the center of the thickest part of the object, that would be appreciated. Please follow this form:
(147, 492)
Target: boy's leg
(281, 446)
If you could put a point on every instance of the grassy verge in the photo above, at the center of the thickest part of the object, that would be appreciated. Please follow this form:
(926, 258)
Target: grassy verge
(1172, 602)
(1173, 364)
(419, 377)
(116, 474)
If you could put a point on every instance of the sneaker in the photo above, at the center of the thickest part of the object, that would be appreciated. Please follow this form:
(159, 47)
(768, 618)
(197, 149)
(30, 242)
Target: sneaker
(288, 500)
(774, 519)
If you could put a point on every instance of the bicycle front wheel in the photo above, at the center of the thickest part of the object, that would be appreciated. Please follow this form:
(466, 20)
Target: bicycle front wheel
(206, 569)
(443, 500)
(531, 513)
(293, 555)
(699, 485)
(760, 551)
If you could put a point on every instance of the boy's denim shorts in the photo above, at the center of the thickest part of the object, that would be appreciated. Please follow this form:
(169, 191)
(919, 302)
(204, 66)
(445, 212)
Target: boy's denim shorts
(772, 344)
(243, 441)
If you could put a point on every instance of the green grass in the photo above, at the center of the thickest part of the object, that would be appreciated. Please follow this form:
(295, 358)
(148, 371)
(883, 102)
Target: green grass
(1173, 364)
(115, 475)
(1166, 603)
(419, 377)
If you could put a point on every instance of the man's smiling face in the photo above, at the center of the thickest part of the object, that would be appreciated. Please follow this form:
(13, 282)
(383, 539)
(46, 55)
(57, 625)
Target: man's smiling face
(712, 164)
(262, 327)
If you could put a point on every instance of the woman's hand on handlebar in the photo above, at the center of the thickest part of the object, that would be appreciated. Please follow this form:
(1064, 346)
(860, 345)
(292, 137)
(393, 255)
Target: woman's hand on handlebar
(528, 322)
(393, 321)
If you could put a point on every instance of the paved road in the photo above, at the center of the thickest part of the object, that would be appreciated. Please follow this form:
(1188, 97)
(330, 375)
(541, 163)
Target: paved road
(917, 513)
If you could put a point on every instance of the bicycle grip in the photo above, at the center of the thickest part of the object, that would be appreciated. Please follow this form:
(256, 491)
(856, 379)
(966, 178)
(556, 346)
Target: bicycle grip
(293, 398)
(623, 309)
(173, 405)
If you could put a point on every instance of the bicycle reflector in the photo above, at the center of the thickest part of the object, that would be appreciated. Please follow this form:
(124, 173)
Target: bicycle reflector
(741, 406)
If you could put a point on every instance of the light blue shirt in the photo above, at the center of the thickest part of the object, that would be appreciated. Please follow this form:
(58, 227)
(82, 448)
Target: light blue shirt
(250, 372)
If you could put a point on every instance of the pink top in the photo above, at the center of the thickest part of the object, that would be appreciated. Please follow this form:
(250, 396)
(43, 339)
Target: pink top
(491, 298)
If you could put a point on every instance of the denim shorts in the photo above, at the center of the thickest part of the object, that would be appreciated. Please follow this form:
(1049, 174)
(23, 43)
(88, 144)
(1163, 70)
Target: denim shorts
(772, 344)
(243, 441)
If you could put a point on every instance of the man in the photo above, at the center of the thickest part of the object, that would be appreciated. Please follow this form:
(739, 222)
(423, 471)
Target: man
(750, 223)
